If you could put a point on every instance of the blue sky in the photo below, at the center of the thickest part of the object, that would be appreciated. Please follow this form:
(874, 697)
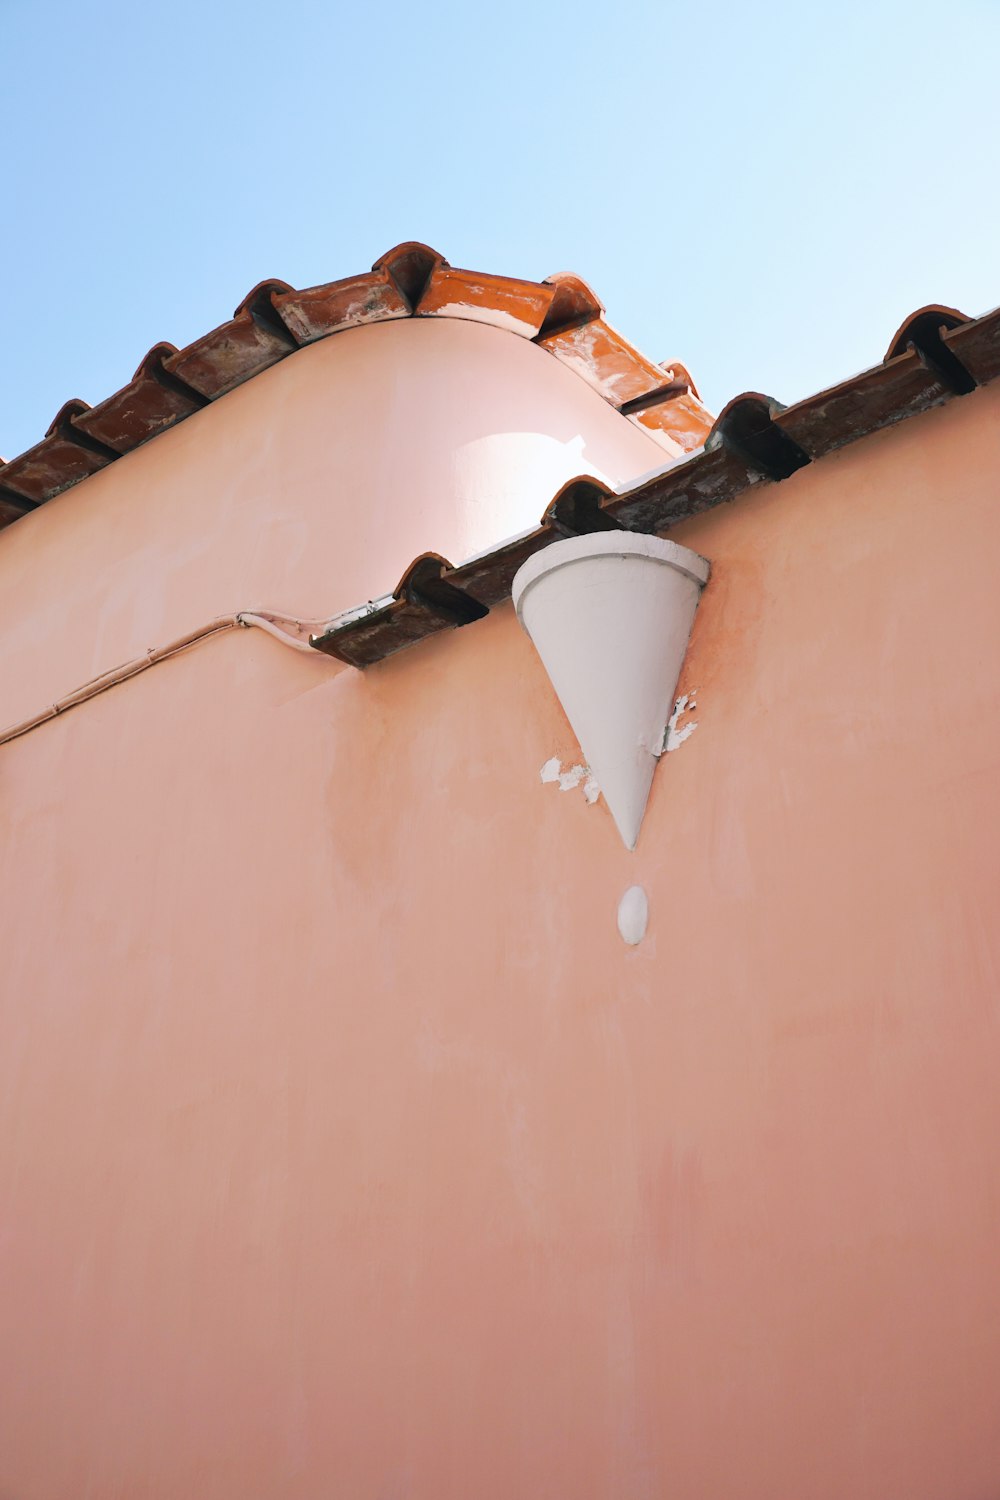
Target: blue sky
(761, 191)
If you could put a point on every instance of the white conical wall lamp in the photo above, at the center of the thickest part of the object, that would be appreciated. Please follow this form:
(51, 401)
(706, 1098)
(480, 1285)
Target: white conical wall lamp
(610, 615)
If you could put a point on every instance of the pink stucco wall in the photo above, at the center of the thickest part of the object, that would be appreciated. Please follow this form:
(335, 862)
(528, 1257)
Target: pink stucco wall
(344, 1147)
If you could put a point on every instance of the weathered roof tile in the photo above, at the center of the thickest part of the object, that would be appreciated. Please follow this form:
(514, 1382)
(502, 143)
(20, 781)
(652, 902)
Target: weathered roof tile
(517, 306)
(322, 310)
(152, 401)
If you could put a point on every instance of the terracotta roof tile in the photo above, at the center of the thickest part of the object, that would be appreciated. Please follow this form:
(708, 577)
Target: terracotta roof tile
(411, 266)
(151, 401)
(322, 310)
(12, 505)
(598, 353)
(933, 316)
(684, 418)
(252, 341)
(61, 459)
(517, 306)
(977, 345)
(574, 302)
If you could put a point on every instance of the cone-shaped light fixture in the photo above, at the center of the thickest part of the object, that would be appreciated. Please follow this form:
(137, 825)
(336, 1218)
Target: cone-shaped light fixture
(610, 615)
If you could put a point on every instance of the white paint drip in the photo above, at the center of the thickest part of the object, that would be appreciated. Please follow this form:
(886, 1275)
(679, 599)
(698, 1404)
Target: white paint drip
(673, 738)
(570, 779)
(633, 915)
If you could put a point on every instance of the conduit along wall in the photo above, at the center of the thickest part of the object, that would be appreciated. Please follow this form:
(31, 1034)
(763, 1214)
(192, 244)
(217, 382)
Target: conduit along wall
(610, 615)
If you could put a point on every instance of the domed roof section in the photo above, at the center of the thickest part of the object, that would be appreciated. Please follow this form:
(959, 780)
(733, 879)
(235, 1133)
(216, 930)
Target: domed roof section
(561, 315)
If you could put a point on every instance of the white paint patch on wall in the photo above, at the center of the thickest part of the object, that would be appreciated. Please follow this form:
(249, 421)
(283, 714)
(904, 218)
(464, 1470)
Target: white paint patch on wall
(570, 779)
(674, 736)
(633, 915)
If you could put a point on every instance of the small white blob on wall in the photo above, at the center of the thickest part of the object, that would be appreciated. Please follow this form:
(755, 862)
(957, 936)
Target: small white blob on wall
(568, 780)
(633, 915)
(674, 737)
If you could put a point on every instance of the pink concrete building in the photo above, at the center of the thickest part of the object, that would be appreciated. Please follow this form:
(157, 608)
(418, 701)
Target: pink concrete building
(357, 1138)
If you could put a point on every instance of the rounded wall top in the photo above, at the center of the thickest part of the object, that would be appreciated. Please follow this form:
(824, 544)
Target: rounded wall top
(561, 315)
